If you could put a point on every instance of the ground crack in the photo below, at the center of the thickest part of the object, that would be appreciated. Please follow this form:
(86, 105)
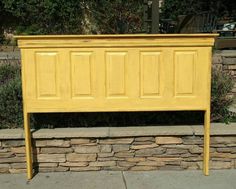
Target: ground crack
(123, 177)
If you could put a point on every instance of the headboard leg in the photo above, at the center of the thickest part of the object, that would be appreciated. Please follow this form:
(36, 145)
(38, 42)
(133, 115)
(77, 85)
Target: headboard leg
(28, 145)
(206, 142)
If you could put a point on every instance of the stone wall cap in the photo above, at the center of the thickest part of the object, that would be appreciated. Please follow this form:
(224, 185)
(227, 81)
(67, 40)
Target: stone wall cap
(217, 129)
(99, 132)
(150, 131)
(11, 133)
(105, 132)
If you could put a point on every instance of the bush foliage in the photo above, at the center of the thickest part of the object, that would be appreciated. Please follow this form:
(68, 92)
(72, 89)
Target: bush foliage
(222, 85)
(75, 17)
(11, 107)
(11, 115)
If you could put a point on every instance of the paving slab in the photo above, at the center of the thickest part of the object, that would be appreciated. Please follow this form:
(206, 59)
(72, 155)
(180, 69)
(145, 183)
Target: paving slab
(69, 180)
(220, 179)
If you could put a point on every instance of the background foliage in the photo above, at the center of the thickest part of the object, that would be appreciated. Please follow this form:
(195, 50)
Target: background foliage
(96, 16)
(222, 85)
(75, 17)
(221, 8)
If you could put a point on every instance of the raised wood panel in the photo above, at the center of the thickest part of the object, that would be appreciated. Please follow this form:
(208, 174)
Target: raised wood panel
(150, 74)
(116, 73)
(184, 73)
(46, 70)
(82, 74)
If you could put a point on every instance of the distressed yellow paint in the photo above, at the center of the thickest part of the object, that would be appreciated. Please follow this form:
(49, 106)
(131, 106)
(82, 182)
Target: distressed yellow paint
(116, 73)
(150, 74)
(46, 64)
(82, 74)
(75, 73)
(185, 72)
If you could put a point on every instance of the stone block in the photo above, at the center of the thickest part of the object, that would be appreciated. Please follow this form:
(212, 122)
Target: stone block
(4, 168)
(18, 150)
(220, 159)
(110, 159)
(188, 140)
(18, 165)
(138, 147)
(47, 164)
(144, 139)
(217, 145)
(86, 149)
(116, 141)
(223, 140)
(85, 168)
(165, 159)
(102, 163)
(13, 143)
(142, 142)
(233, 150)
(75, 141)
(124, 154)
(17, 171)
(126, 164)
(51, 158)
(229, 60)
(3, 150)
(169, 140)
(217, 165)
(150, 152)
(81, 157)
(151, 163)
(108, 154)
(223, 155)
(190, 158)
(6, 155)
(135, 159)
(12, 160)
(177, 146)
(223, 150)
(93, 142)
(189, 165)
(54, 150)
(120, 147)
(232, 67)
(105, 148)
(74, 164)
(176, 151)
(196, 150)
(52, 143)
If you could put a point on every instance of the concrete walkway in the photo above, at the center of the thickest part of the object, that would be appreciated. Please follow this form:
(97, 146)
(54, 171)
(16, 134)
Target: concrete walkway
(222, 179)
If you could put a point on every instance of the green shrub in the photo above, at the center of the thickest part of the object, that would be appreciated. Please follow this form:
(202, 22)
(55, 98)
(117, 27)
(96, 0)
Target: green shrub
(222, 85)
(10, 96)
